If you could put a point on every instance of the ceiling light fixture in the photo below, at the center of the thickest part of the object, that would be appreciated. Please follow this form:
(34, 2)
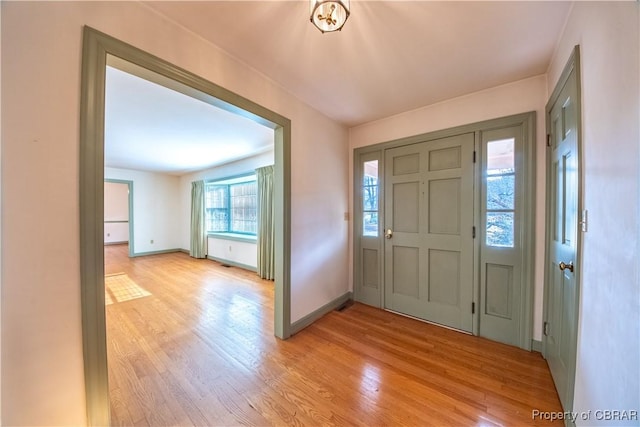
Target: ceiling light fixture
(329, 15)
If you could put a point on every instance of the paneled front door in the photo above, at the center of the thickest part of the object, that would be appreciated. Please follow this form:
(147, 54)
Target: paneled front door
(429, 223)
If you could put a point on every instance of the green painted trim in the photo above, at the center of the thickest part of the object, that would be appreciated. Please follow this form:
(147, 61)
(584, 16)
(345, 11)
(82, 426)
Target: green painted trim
(233, 264)
(132, 239)
(536, 346)
(185, 251)
(98, 49)
(92, 230)
(116, 222)
(233, 237)
(573, 65)
(430, 136)
(307, 320)
(124, 242)
(162, 251)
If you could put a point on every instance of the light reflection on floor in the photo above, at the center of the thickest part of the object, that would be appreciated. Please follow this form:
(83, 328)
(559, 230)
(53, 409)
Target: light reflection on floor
(119, 287)
(370, 381)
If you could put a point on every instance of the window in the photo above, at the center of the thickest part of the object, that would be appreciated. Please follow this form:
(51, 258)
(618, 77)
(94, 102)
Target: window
(501, 184)
(231, 206)
(370, 199)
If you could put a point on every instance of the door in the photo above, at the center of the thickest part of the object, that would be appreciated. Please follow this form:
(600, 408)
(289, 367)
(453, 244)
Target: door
(429, 241)
(560, 327)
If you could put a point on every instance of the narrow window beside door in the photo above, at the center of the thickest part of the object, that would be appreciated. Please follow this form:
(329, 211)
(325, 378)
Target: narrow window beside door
(370, 199)
(500, 203)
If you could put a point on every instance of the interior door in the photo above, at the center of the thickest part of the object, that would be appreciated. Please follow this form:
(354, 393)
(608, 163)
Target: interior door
(562, 293)
(429, 241)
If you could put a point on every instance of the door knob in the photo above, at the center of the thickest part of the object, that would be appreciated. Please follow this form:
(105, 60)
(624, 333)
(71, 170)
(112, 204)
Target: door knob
(388, 233)
(564, 266)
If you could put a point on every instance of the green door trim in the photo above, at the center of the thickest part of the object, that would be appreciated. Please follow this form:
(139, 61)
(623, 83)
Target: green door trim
(528, 122)
(130, 185)
(572, 66)
(97, 47)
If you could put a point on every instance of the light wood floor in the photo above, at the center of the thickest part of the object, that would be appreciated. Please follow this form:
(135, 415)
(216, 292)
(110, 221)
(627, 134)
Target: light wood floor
(200, 350)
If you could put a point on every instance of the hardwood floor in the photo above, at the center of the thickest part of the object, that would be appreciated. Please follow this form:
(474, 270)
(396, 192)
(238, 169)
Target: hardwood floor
(200, 350)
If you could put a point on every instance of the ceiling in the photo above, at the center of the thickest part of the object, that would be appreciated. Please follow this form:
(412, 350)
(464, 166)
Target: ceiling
(149, 127)
(390, 57)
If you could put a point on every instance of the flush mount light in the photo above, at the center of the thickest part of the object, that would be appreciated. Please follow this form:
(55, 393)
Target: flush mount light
(329, 15)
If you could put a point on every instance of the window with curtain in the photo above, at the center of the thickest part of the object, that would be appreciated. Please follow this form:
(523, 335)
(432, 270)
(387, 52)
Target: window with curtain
(231, 206)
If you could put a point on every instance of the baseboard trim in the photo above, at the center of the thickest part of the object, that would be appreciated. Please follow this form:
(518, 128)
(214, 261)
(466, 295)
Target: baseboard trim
(233, 264)
(307, 320)
(124, 242)
(536, 346)
(185, 251)
(164, 251)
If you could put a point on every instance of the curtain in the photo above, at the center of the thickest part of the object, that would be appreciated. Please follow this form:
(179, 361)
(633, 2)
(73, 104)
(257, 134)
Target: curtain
(266, 227)
(198, 232)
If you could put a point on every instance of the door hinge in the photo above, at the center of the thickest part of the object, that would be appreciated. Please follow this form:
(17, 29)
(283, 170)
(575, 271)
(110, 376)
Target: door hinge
(548, 140)
(474, 157)
(473, 232)
(547, 329)
(473, 308)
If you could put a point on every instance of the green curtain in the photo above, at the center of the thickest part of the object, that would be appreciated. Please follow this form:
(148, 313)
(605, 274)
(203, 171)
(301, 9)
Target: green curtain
(266, 226)
(198, 232)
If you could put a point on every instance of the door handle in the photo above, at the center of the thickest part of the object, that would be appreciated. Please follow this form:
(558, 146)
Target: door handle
(564, 266)
(388, 233)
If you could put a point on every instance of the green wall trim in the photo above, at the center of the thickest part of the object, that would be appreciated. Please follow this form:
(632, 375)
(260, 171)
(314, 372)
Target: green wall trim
(536, 346)
(124, 242)
(232, 263)
(307, 320)
(233, 237)
(98, 49)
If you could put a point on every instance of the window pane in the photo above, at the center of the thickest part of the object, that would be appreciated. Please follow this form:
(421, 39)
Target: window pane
(370, 198)
(500, 192)
(500, 229)
(500, 157)
(244, 206)
(370, 224)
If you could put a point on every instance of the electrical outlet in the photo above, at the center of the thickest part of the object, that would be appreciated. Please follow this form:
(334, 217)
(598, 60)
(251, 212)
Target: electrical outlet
(108, 234)
(151, 241)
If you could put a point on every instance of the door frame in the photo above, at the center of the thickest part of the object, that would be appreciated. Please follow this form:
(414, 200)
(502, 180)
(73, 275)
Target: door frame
(96, 49)
(376, 151)
(573, 65)
(130, 213)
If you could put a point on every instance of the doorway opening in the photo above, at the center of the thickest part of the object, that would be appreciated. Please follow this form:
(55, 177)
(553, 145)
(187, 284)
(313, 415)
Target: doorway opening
(97, 47)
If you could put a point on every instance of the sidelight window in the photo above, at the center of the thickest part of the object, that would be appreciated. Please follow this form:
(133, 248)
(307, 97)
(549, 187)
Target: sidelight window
(500, 191)
(370, 204)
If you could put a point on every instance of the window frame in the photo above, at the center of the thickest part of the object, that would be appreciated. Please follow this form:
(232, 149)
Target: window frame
(228, 182)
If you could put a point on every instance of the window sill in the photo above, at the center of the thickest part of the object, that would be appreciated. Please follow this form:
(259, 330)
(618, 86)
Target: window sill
(233, 236)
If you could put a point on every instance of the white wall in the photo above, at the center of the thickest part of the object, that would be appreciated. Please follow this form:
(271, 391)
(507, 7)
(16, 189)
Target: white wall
(116, 208)
(518, 97)
(155, 211)
(42, 363)
(608, 359)
(242, 254)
